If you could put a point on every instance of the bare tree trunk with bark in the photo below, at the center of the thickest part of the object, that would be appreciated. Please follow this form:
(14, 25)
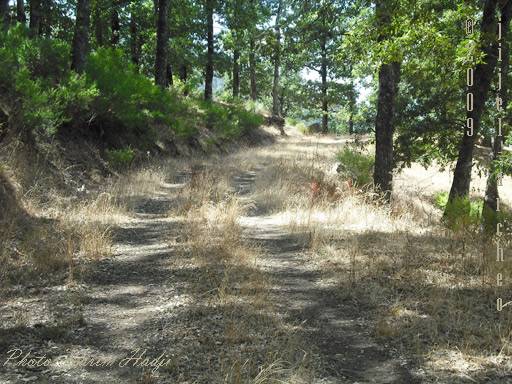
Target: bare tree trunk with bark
(35, 18)
(208, 75)
(277, 62)
(4, 14)
(20, 12)
(98, 24)
(489, 214)
(46, 18)
(482, 81)
(184, 77)
(80, 47)
(323, 75)
(115, 24)
(276, 110)
(134, 40)
(389, 77)
(252, 57)
(162, 42)
(252, 69)
(236, 73)
(169, 74)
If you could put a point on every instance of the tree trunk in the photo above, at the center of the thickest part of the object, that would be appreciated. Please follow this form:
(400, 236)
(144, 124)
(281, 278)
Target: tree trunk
(323, 74)
(162, 42)
(491, 192)
(389, 77)
(169, 74)
(351, 121)
(115, 24)
(45, 28)
(351, 108)
(98, 24)
(252, 69)
(4, 13)
(282, 108)
(252, 55)
(482, 80)
(277, 62)
(20, 12)
(208, 81)
(80, 46)
(184, 78)
(35, 18)
(134, 40)
(183, 73)
(236, 73)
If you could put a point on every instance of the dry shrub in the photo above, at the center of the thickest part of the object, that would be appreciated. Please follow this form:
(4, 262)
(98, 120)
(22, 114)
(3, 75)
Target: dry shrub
(204, 186)
(148, 180)
(215, 242)
(95, 241)
(56, 231)
(283, 185)
(41, 251)
(92, 219)
(91, 225)
(8, 197)
(31, 246)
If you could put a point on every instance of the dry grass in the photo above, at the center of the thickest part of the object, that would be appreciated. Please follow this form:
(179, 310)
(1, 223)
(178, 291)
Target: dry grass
(146, 181)
(252, 344)
(63, 230)
(432, 292)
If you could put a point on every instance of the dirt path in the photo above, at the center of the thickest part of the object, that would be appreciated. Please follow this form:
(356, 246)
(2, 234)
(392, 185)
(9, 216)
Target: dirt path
(137, 304)
(337, 331)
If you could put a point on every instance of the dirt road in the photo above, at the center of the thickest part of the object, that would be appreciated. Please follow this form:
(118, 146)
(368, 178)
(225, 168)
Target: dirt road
(137, 316)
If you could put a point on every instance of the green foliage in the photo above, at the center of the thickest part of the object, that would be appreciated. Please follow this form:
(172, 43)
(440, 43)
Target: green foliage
(441, 199)
(503, 164)
(35, 110)
(45, 96)
(74, 96)
(303, 128)
(299, 124)
(295, 121)
(256, 107)
(356, 166)
(429, 121)
(120, 158)
(38, 89)
(247, 120)
(230, 120)
(460, 214)
(490, 219)
(216, 115)
(131, 98)
(48, 59)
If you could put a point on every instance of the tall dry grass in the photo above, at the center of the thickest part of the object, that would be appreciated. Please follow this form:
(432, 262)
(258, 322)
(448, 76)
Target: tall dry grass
(252, 343)
(64, 230)
(431, 292)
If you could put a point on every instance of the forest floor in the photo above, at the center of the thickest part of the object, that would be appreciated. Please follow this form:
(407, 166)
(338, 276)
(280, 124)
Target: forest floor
(255, 267)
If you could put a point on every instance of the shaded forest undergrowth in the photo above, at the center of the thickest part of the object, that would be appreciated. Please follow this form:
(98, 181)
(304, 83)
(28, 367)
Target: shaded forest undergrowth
(255, 267)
